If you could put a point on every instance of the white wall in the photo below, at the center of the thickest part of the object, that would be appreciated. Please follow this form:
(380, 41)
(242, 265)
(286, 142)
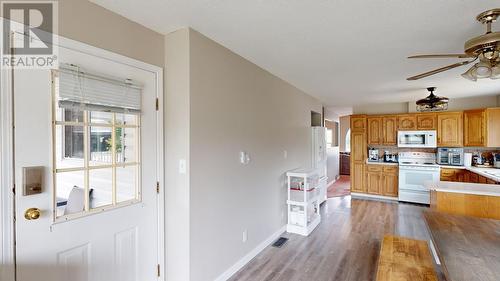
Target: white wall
(345, 124)
(233, 106)
(177, 137)
(333, 160)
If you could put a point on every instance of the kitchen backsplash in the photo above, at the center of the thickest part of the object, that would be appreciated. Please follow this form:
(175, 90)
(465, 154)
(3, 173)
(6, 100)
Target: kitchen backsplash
(395, 150)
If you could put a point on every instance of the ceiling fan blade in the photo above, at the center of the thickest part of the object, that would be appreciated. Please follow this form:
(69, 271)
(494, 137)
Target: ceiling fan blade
(435, 71)
(460, 56)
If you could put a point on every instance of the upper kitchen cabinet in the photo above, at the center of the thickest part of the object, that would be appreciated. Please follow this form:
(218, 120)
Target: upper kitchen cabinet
(374, 130)
(389, 130)
(482, 127)
(450, 129)
(426, 121)
(475, 127)
(407, 122)
(358, 123)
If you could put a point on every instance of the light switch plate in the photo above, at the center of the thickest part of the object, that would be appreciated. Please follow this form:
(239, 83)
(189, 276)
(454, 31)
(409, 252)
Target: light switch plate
(32, 180)
(182, 166)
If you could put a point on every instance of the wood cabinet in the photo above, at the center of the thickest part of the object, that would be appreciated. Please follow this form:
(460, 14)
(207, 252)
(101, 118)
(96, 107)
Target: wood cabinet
(374, 130)
(382, 130)
(374, 179)
(407, 122)
(358, 152)
(450, 129)
(462, 175)
(475, 127)
(382, 180)
(390, 182)
(358, 123)
(482, 127)
(450, 174)
(389, 130)
(427, 121)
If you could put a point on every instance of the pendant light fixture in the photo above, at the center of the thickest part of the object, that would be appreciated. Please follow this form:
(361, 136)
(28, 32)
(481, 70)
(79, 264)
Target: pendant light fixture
(432, 102)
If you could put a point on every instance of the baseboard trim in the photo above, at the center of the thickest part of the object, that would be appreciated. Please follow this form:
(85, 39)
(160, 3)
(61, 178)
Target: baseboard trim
(248, 257)
(370, 196)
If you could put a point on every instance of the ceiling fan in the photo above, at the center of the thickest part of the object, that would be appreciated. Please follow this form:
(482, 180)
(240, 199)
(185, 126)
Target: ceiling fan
(485, 47)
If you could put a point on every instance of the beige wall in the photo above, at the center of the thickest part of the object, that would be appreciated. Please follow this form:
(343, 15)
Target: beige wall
(405, 107)
(466, 103)
(177, 137)
(345, 124)
(89, 23)
(384, 108)
(237, 106)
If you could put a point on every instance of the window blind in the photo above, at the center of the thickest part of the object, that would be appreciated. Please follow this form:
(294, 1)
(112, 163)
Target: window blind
(89, 91)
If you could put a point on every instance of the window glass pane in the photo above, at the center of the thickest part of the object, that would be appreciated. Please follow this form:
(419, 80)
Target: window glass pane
(101, 187)
(69, 146)
(126, 183)
(126, 119)
(70, 193)
(100, 146)
(126, 145)
(104, 118)
(69, 114)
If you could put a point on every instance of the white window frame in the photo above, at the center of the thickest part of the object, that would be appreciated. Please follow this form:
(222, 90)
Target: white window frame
(87, 125)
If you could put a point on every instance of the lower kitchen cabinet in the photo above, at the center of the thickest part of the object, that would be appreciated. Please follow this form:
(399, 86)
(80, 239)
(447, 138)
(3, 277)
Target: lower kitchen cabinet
(374, 179)
(382, 180)
(461, 175)
(390, 181)
(358, 177)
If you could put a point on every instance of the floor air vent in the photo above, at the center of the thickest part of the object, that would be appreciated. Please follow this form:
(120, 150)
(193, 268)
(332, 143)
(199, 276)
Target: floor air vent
(280, 242)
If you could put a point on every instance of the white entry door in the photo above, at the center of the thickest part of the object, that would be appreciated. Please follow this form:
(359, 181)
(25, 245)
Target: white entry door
(99, 203)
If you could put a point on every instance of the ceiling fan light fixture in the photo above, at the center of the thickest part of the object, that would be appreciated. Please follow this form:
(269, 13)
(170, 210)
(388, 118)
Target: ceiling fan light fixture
(495, 72)
(482, 70)
(469, 74)
(432, 102)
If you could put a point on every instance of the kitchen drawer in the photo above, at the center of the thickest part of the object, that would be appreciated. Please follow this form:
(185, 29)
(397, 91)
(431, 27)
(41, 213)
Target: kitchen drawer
(374, 168)
(390, 169)
(447, 172)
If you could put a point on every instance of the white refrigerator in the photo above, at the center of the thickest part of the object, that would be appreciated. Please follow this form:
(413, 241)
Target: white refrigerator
(319, 158)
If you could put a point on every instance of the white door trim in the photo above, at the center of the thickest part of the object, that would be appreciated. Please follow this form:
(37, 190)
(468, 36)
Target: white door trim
(7, 253)
(7, 256)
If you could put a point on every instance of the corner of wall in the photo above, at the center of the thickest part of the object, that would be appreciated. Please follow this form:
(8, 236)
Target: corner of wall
(177, 140)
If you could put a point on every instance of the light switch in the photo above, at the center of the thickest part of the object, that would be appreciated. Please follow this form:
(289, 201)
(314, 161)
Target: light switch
(182, 166)
(32, 180)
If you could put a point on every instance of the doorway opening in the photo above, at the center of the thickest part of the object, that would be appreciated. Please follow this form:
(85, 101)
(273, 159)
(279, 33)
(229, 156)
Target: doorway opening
(342, 186)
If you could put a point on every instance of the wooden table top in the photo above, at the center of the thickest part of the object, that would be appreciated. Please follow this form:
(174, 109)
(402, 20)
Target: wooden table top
(468, 247)
(405, 259)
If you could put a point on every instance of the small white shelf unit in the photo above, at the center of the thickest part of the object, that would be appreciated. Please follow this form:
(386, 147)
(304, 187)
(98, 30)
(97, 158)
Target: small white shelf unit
(303, 201)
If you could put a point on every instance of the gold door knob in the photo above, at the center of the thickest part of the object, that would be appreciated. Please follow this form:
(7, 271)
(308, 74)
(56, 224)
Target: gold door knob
(32, 214)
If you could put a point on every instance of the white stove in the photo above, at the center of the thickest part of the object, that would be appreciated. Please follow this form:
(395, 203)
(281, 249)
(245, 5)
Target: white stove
(416, 168)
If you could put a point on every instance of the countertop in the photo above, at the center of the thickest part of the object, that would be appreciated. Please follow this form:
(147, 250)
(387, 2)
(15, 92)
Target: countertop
(468, 248)
(380, 162)
(465, 188)
(491, 173)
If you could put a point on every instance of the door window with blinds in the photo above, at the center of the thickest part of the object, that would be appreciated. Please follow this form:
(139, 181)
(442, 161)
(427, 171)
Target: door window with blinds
(96, 142)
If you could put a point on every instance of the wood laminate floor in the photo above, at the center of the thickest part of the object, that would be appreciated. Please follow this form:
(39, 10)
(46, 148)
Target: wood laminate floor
(344, 247)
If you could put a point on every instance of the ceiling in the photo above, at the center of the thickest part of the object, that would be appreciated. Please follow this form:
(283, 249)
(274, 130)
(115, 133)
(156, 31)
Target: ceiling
(344, 52)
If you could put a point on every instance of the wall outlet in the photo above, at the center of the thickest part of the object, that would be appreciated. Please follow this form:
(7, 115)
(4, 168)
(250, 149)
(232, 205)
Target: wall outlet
(285, 154)
(244, 237)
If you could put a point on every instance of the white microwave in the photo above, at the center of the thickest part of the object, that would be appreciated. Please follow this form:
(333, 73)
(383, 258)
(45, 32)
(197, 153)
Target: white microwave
(417, 139)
